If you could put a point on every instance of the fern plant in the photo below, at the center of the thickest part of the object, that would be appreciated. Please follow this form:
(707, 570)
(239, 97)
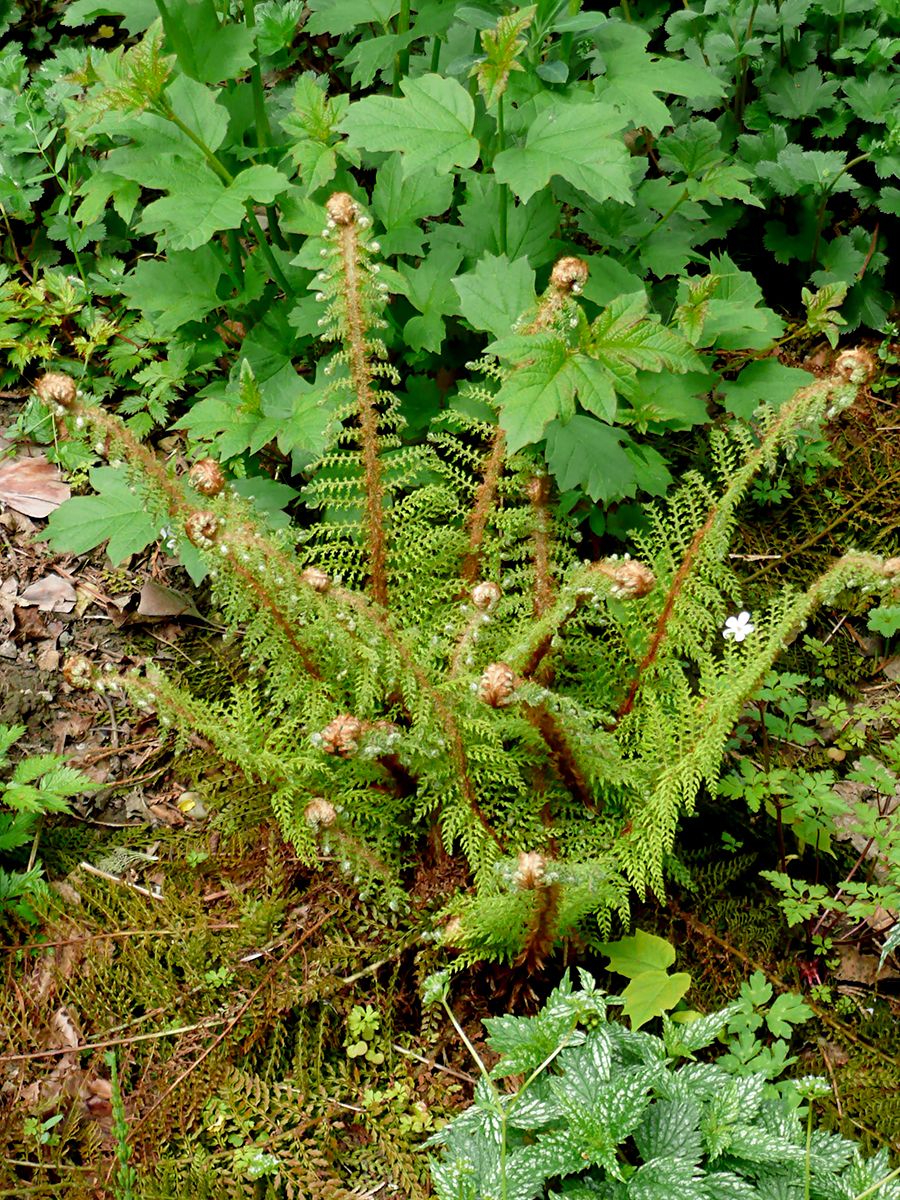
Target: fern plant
(427, 653)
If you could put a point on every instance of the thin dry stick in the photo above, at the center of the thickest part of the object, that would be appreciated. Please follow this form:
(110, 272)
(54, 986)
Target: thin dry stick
(119, 933)
(123, 1041)
(110, 878)
(435, 1066)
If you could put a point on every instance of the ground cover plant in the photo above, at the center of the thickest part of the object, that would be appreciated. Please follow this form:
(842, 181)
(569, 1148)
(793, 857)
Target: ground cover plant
(402, 328)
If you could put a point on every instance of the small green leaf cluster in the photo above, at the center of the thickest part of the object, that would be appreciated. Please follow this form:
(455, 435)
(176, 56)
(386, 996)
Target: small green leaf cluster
(841, 813)
(36, 787)
(609, 1112)
(644, 959)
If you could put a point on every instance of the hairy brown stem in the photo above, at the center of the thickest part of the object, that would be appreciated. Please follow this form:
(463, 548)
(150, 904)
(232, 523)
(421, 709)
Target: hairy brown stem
(560, 753)
(457, 747)
(361, 377)
(678, 582)
(541, 928)
(568, 276)
(539, 495)
(483, 506)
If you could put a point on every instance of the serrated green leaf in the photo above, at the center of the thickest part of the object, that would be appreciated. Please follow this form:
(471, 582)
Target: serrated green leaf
(496, 293)
(786, 1010)
(429, 288)
(431, 126)
(624, 338)
(178, 289)
(633, 77)
(312, 126)
(885, 620)
(799, 94)
(202, 205)
(116, 514)
(401, 202)
(329, 17)
(578, 142)
(797, 171)
(587, 454)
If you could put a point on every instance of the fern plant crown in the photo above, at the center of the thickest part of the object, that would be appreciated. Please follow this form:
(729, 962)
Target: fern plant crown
(433, 653)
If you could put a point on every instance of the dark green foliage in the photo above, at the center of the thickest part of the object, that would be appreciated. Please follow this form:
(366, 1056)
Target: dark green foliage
(608, 1112)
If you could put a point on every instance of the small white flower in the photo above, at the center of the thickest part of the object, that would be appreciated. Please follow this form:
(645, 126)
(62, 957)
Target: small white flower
(737, 628)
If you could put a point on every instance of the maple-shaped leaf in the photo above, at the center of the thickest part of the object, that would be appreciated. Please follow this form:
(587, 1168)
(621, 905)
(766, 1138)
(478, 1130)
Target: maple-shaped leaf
(431, 126)
(502, 45)
(587, 455)
(117, 513)
(624, 338)
(579, 141)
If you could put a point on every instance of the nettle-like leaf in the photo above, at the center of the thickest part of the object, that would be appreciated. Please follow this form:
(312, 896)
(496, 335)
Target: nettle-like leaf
(764, 382)
(431, 126)
(796, 171)
(587, 455)
(576, 140)
(799, 94)
(493, 296)
(201, 204)
(401, 202)
(328, 17)
(172, 291)
(633, 77)
(502, 45)
(312, 126)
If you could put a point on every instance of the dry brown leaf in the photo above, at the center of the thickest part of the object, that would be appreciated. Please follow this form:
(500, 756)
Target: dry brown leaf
(50, 594)
(157, 600)
(47, 659)
(32, 486)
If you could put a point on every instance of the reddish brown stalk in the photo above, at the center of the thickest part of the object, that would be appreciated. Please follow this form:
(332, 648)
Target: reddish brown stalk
(539, 495)
(484, 506)
(569, 275)
(343, 210)
(283, 623)
(560, 753)
(457, 748)
(659, 634)
(541, 934)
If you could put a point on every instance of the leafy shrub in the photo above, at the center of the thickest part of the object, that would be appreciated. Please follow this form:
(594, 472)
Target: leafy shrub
(175, 184)
(612, 1113)
(436, 655)
(38, 786)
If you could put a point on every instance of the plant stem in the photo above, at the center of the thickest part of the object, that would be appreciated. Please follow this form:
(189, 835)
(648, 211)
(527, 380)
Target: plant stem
(261, 115)
(820, 215)
(401, 59)
(165, 110)
(502, 190)
(876, 1187)
(807, 1171)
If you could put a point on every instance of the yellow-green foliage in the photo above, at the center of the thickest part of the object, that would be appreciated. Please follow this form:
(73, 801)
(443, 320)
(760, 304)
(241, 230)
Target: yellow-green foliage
(433, 654)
